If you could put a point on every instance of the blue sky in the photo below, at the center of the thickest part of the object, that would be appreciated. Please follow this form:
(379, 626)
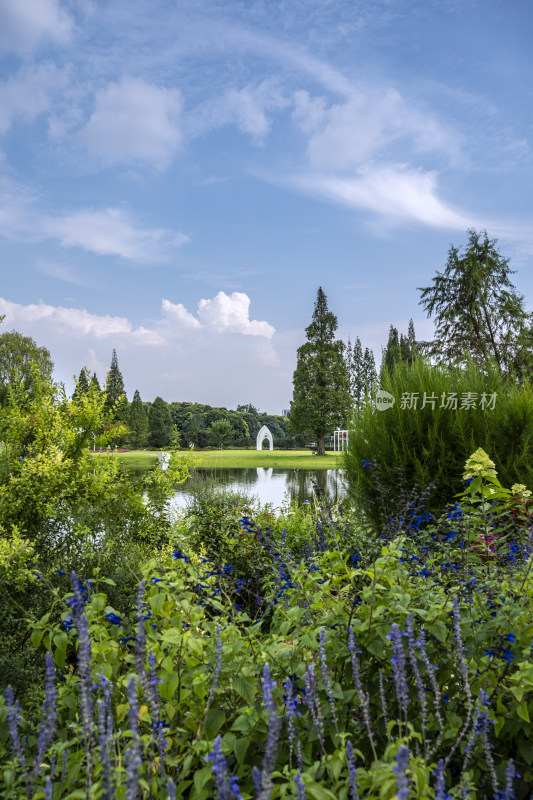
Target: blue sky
(178, 178)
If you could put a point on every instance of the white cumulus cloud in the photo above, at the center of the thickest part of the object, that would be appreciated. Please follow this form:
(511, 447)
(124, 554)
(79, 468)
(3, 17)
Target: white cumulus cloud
(25, 23)
(73, 322)
(177, 355)
(224, 313)
(134, 121)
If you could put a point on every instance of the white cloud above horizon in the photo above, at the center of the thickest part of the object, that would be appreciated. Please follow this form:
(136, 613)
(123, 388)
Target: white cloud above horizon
(134, 120)
(178, 355)
(105, 231)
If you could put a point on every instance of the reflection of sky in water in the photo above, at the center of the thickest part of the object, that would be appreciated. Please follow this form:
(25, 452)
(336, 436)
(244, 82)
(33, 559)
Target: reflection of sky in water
(273, 486)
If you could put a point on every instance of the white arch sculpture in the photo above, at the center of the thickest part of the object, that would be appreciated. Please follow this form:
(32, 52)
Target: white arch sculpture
(263, 434)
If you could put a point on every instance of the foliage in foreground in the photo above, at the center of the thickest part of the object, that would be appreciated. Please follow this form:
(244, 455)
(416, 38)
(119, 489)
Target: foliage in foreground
(345, 671)
(428, 436)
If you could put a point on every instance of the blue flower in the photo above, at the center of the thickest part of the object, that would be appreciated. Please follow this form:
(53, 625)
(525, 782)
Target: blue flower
(113, 618)
(60, 572)
(365, 463)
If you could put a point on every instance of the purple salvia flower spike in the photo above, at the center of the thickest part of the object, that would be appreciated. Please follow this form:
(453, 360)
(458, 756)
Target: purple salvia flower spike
(133, 756)
(290, 708)
(362, 696)
(225, 783)
(48, 723)
(430, 670)
(106, 744)
(274, 726)
(510, 772)
(48, 788)
(313, 703)
(418, 678)
(153, 699)
(382, 699)
(440, 786)
(326, 678)
(487, 747)
(13, 717)
(400, 770)
(84, 666)
(171, 789)
(398, 670)
(299, 757)
(352, 772)
(301, 794)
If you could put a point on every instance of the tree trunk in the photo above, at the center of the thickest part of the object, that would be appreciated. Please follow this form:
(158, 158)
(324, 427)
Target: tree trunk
(321, 448)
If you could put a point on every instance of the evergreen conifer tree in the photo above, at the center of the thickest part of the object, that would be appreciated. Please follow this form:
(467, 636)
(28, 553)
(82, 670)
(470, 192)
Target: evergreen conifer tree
(321, 394)
(160, 421)
(82, 384)
(138, 422)
(95, 382)
(370, 373)
(116, 400)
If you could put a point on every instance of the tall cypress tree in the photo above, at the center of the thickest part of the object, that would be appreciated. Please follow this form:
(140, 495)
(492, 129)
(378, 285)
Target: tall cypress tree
(138, 421)
(392, 353)
(321, 395)
(116, 400)
(82, 384)
(369, 371)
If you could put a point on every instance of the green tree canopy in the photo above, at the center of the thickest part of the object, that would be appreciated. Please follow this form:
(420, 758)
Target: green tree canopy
(138, 422)
(220, 433)
(160, 421)
(321, 394)
(20, 356)
(476, 309)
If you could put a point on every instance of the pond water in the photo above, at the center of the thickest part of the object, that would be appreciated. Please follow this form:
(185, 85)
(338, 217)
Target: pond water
(275, 486)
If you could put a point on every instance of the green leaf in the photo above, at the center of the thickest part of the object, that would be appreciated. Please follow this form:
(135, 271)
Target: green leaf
(523, 712)
(245, 687)
(173, 635)
(241, 746)
(157, 600)
(169, 685)
(36, 637)
(242, 724)
(201, 777)
(215, 720)
(316, 792)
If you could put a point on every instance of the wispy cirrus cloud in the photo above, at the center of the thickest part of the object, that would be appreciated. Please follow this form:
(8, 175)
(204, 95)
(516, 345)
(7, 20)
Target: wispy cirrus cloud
(397, 194)
(104, 232)
(112, 232)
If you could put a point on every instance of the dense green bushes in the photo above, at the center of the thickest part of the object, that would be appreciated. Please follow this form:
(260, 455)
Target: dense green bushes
(430, 444)
(405, 669)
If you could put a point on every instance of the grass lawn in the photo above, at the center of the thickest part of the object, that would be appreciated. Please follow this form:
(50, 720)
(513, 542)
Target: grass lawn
(228, 459)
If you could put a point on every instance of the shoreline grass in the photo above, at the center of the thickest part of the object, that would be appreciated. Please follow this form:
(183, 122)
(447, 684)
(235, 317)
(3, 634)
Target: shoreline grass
(235, 459)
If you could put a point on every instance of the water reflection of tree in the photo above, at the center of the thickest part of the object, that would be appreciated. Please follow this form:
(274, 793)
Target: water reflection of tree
(303, 484)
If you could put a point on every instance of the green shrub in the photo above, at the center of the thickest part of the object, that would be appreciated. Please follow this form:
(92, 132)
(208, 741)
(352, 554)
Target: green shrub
(430, 445)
